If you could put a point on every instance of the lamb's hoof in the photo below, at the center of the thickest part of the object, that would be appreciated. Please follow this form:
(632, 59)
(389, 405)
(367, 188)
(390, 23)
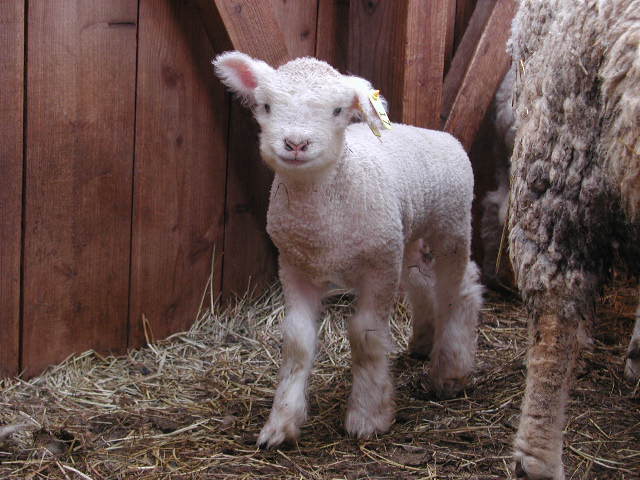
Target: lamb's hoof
(275, 433)
(527, 467)
(632, 366)
(445, 388)
(363, 425)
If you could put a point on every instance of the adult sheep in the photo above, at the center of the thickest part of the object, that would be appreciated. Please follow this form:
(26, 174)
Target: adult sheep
(349, 209)
(575, 193)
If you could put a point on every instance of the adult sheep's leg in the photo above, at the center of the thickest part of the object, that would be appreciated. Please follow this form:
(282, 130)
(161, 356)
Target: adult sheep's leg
(371, 406)
(289, 410)
(552, 355)
(632, 367)
(418, 282)
(459, 299)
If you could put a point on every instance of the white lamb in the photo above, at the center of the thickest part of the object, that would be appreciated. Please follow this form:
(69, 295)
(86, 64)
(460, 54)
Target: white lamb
(351, 210)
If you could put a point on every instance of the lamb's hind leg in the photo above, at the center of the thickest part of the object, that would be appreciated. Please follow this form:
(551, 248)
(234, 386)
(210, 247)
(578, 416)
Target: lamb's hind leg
(418, 282)
(289, 409)
(371, 406)
(459, 299)
(632, 366)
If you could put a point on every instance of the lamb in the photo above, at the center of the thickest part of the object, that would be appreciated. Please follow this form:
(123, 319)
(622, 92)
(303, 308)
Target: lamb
(575, 194)
(351, 210)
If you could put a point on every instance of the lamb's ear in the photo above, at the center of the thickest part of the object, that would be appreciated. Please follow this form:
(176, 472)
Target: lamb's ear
(361, 107)
(242, 74)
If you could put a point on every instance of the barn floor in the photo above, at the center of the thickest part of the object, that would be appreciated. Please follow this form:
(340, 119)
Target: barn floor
(191, 407)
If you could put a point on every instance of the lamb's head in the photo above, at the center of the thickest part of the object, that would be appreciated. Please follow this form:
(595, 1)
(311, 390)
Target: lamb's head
(303, 109)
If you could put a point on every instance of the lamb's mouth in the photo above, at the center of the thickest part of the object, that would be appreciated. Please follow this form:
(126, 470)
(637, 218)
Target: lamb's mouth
(295, 161)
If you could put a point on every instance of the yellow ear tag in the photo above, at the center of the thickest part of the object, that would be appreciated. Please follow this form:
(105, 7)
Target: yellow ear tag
(374, 98)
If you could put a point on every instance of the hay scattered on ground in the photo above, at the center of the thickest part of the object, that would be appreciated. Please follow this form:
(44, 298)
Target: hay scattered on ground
(191, 407)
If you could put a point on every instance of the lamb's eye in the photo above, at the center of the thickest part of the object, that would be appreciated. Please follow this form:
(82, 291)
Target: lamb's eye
(337, 111)
(267, 108)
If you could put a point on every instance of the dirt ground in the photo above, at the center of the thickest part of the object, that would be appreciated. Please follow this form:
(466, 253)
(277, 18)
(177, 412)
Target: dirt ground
(191, 407)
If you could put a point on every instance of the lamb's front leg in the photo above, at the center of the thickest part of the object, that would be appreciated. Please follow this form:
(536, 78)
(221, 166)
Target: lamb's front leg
(371, 406)
(299, 331)
(552, 354)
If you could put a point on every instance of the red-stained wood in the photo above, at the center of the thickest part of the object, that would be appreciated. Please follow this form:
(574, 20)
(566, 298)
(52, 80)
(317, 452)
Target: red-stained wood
(11, 144)
(463, 13)
(332, 37)
(245, 25)
(377, 33)
(80, 117)
(180, 169)
(297, 20)
(405, 58)
(249, 255)
(450, 35)
(487, 67)
(463, 53)
(425, 51)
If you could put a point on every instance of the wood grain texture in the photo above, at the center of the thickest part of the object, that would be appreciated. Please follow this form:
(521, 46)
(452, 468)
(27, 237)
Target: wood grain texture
(463, 13)
(486, 69)
(180, 166)
(12, 42)
(297, 20)
(80, 116)
(249, 255)
(450, 35)
(463, 54)
(332, 37)
(249, 26)
(424, 60)
(377, 33)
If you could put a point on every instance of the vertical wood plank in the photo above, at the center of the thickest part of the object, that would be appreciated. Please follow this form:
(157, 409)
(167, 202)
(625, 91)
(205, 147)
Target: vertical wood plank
(377, 33)
(12, 41)
(249, 255)
(425, 50)
(180, 166)
(332, 37)
(80, 115)
(298, 21)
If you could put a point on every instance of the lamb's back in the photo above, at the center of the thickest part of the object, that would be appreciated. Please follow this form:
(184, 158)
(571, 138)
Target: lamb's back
(426, 171)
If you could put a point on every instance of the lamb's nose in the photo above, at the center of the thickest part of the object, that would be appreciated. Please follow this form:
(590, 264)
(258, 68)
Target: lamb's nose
(297, 147)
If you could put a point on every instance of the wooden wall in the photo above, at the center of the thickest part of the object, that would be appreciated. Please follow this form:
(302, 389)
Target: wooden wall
(124, 162)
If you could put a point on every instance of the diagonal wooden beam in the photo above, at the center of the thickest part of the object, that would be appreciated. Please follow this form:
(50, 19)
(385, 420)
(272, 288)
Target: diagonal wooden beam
(487, 64)
(248, 26)
(464, 54)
